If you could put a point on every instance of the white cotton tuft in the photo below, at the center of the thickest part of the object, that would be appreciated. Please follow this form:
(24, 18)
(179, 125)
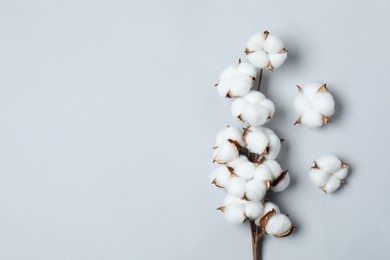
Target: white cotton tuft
(263, 173)
(255, 190)
(273, 44)
(233, 200)
(236, 80)
(221, 176)
(245, 170)
(277, 59)
(328, 173)
(282, 184)
(259, 59)
(253, 210)
(329, 163)
(315, 104)
(261, 140)
(319, 177)
(275, 168)
(269, 206)
(311, 118)
(265, 51)
(253, 108)
(234, 213)
(236, 187)
(225, 152)
(332, 185)
(230, 132)
(278, 224)
(237, 161)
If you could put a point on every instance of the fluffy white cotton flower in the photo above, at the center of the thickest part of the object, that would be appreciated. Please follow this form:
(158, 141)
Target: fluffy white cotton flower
(262, 140)
(236, 80)
(328, 173)
(315, 105)
(253, 108)
(228, 143)
(265, 51)
(221, 176)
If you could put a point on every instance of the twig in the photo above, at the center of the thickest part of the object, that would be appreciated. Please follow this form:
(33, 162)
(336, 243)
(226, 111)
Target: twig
(260, 78)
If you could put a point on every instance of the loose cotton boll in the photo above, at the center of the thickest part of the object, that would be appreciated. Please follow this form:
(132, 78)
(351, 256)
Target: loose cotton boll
(253, 210)
(253, 108)
(269, 206)
(236, 80)
(275, 168)
(255, 190)
(328, 173)
(279, 225)
(262, 140)
(314, 104)
(221, 176)
(265, 51)
(236, 187)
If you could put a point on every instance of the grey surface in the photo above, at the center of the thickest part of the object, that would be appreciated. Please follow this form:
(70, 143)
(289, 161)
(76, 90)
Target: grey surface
(108, 116)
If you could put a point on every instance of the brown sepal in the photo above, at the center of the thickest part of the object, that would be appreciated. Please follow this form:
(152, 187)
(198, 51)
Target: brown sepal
(222, 208)
(288, 232)
(298, 121)
(264, 220)
(325, 120)
(280, 178)
(323, 88)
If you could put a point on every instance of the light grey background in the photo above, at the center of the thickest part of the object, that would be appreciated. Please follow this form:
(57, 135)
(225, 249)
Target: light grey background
(108, 116)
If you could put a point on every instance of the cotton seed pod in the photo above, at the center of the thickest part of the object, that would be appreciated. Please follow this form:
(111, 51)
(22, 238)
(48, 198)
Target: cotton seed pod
(265, 51)
(228, 143)
(270, 170)
(262, 140)
(267, 207)
(328, 173)
(315, 105)
(221, 176)
(236, 80)
(253, 108)
(278, 225)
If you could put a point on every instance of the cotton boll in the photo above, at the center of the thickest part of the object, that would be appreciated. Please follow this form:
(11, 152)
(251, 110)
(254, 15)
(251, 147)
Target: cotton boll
(278, 225)
(274, 146)
(263, 173)
(332, 185)
(255, 97)
(277, 59)
(282, 184)
(256, 141)
(315, 105)
(269, 206)
(245, 170)
(329, 163)
(269, 105)
(221, 176)
(259, 59)
(255, 190)
(234, 213)
(311, 118)
(237, 161)
(253, 210)
(273, 44)
(225, 153)
(236, 187)
(324, 103)
(319, 177)
(255, 115)
(275, 168)
(342, 173)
